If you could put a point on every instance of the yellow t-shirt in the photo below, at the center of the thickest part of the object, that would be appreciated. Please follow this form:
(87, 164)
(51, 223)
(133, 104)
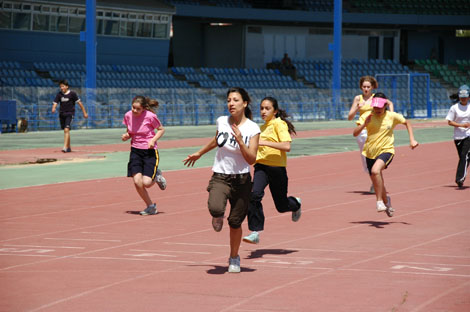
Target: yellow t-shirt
(380, 133)
(275, 130)
(365, 107)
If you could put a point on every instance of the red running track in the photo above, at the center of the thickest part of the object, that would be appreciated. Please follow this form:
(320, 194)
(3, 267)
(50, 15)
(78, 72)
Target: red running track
(81, 246)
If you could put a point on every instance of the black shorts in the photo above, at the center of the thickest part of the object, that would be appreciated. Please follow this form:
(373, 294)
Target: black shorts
(386, 157)
(66, 120)
(143, 161)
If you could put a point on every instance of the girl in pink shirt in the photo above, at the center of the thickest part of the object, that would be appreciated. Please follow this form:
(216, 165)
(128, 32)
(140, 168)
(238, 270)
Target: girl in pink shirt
(141, 122)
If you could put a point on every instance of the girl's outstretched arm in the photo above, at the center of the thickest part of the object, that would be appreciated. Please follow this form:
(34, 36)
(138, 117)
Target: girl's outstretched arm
(191, 159)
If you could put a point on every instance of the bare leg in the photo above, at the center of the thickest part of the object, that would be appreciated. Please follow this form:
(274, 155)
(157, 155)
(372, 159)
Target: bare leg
(141, 184)
(235, 240)
(378, 181)
(66, 138)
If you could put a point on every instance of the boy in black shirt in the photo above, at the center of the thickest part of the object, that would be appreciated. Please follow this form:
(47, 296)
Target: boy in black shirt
(67, 99)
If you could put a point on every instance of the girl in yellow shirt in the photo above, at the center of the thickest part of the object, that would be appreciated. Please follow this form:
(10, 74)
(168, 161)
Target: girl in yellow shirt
(378, 148)
(270, 168)
(361, 104)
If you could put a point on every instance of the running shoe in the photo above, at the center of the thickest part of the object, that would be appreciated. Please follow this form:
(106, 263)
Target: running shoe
(372, 190)
(160, 180)
(296, 214)
(253, 238)
(217, 223)
(460, 184)
(234, 265)
(389, 210)
(381, 206)
(150, 210)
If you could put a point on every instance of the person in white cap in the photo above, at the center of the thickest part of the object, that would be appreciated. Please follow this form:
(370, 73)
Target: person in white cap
(459, 118)
(378, 148)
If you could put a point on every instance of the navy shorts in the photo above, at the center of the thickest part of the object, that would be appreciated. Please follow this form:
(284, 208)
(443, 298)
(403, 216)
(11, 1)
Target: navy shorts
(143, 161)
(386, 157)
(66, 121)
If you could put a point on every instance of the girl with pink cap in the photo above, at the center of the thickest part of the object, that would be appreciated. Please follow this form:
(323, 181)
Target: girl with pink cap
(379, 148)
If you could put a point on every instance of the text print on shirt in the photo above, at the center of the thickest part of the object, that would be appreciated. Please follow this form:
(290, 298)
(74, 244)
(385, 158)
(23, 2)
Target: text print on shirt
(222, 138)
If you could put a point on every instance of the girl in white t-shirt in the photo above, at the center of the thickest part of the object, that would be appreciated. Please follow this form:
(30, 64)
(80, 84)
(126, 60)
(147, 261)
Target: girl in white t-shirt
(459, 118)
(141, 123)
(236, 140)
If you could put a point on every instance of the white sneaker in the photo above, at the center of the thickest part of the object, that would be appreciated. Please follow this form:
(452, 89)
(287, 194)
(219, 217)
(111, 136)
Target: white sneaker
(160, 180)
(217, 223)
(296, 214)
(381, 206)
(234, 265)
(253, 238)
(389, 210)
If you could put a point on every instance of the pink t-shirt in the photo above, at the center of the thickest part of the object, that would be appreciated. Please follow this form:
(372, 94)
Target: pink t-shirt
(141, 128)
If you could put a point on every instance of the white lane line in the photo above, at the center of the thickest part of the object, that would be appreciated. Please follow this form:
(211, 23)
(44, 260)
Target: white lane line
(408, 272)
(36, 246)
(84, 239)
(443, 256)
(194, 244)
(174, 251)
(303, 258)
(327, 250)
(149, 254)
(23, 255)
(428, 263)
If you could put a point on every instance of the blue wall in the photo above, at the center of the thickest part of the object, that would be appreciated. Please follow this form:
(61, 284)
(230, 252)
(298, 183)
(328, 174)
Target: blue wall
(28, 46)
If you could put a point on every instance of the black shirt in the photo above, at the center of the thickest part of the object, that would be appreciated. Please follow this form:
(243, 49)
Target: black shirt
(67, 102)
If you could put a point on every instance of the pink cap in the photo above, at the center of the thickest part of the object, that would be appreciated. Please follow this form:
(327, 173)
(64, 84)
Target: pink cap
(378, 102)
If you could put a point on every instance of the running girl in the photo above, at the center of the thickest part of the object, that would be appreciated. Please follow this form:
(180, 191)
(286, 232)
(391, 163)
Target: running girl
(141, 123)
(237, 141)
(361, 104)
(459, 118)
(270, 168)
(378, 148)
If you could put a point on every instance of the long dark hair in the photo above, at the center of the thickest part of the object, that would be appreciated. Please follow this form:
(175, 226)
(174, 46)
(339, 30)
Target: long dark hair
(145, 102)
(281, 113)
(245, 97)
(380, 95)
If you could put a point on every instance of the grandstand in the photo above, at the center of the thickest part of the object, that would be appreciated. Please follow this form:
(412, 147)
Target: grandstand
(186, 53)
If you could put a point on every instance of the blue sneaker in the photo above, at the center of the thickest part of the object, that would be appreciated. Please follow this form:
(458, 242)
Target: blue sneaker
(389, 211)
(150, 210)
(160, 180)
(234, 265)
(296, 214)
(253, 238)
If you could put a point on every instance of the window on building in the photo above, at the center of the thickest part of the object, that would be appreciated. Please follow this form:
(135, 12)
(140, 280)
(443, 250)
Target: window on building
(373, 47)
(130, 29)
(76, 24)
(41, 22)
(111, 28)
(144, 30)
(160, 30)
(388, 48)
(5, 19)
(21, 21)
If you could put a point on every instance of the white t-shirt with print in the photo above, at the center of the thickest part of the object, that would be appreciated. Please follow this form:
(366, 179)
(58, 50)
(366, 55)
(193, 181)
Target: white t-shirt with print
(229, 158)
(460, 114)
